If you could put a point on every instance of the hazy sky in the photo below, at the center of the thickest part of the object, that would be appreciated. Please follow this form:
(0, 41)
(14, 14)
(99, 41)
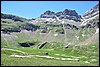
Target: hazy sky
(33, 9)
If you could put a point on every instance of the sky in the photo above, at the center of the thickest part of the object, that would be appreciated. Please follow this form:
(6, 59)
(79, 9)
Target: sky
(33, 9)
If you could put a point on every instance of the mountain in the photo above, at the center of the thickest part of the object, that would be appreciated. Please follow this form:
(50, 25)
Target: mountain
(91, 17)
(48, 22)
(66, 14)
(62, 38)
(12, 23)
(92, 12)
(48, 14)
(13, 17)
(69, 14)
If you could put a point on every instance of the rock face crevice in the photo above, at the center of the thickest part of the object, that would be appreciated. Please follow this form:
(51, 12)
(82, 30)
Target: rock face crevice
(42, 45)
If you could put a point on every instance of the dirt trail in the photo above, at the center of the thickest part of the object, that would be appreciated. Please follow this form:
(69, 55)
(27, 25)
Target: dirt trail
(12, 50)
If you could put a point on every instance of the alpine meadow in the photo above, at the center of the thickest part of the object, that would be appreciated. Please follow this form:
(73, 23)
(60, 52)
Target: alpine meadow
(62, 38)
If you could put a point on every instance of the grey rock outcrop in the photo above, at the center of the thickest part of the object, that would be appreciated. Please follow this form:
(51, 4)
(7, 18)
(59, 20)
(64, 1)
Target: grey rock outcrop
(48, 14)
(66, 14)
(69, 14)
(91, 17)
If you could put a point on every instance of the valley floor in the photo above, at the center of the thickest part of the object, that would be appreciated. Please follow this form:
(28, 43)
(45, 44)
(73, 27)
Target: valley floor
(38, 57)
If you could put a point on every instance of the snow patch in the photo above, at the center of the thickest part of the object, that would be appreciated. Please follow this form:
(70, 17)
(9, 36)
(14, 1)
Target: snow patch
(83, 35)
(77, 37)
(87, 62)
(62, 22)
(97, 31)
(55, 34)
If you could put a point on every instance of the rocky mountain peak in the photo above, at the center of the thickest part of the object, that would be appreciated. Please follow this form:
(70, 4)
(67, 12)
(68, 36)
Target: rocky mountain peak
(70, 12)
(92, 12)
(48, 12)
(66, 14)
(91, 17)
(96, 7)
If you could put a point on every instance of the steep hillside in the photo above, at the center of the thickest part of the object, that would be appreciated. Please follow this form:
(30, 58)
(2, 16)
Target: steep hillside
(91, 15)
(50, 27)
(11, 23)
(13, 17)
(92, 12)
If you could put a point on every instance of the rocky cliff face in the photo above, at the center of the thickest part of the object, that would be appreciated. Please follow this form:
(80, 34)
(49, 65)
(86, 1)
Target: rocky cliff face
(69, 14)
(91, 17)
(66, 14)
(48, 14)
(92, 12)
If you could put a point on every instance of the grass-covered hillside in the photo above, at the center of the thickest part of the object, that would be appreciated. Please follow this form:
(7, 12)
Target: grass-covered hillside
(26, 43)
